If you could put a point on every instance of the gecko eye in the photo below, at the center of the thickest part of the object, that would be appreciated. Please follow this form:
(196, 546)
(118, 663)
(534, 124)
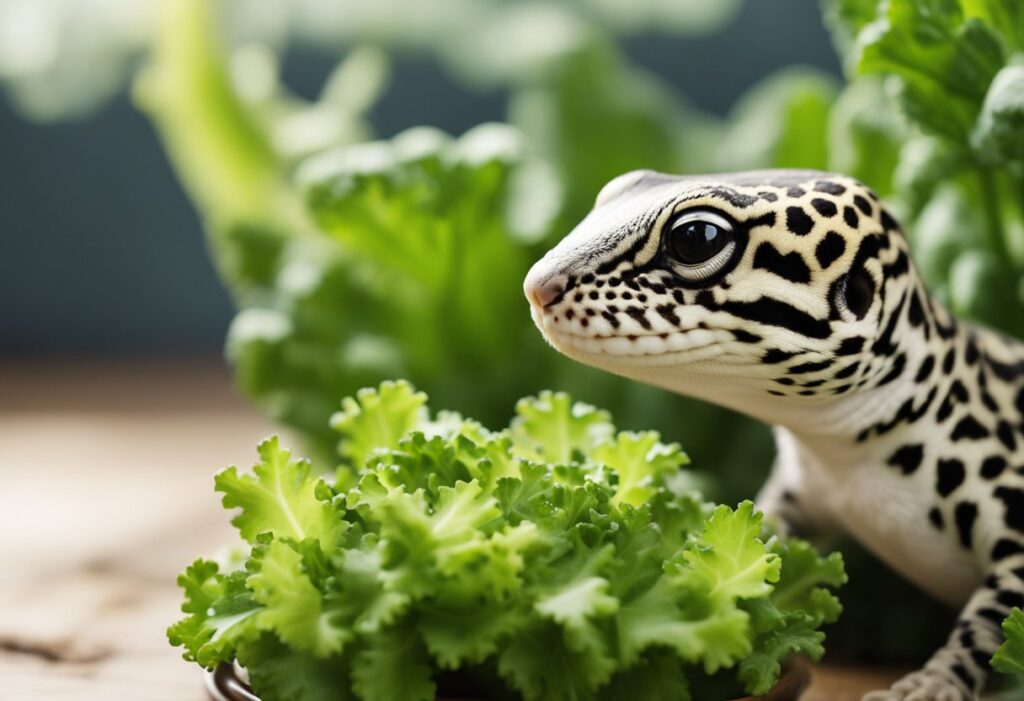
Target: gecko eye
(699, 244)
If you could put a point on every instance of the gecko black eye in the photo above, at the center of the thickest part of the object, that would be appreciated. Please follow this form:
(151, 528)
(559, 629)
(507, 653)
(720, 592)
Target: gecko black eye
(699, 244)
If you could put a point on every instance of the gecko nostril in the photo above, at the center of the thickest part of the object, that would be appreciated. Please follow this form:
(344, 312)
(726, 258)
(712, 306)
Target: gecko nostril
(544, 291)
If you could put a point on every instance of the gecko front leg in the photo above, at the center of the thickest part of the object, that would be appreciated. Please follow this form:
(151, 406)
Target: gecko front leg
(785, 499)
(957, 671)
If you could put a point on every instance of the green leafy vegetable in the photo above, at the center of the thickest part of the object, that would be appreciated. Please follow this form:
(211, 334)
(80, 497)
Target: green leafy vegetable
(556, 559)
(1009, 658)
(954, 69)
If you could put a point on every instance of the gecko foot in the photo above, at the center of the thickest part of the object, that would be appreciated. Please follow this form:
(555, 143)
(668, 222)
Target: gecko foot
(923, 685)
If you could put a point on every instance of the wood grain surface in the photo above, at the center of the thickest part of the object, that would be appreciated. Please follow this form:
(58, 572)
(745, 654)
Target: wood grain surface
(106, 493)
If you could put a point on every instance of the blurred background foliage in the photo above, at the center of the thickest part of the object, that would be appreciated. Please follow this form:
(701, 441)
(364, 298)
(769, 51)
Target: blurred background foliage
(351, 260)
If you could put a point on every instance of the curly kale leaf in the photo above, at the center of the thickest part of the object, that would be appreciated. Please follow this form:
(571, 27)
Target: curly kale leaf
(555, 559)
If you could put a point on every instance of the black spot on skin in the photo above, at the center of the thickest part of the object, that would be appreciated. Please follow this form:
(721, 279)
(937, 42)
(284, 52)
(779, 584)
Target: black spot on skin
(774, 312)
(971, 352)
(614, 282)
(809, 367)
(1004, 432)
(899, 266)
(587, 279)
(935, 516)
(736, 199)
(829, 188)
(787, 381)
(908, 458)
(949, 476)
(775, 355)
(813, 383)
(829, 249)
(798, 222)
(795, 191)
(993, 466)
(957, 393)
(610, 295)
(884, 345)
(578, 297)
(887, 221)
(1014, 501)
(1005, 548)
(850, 217)
(863, 205)
(1010, 599)
(776, 393)
(907, 413)
(569, 314)
(925, 369)
(948, 361)
(966, 677)
(584, 322)
(915, 314)
(641, 298)
(790, 266)
(594, 294)
(826, 208)
(611, 318)
(705, 299)
(627, 295)
(993, 615)
(668, 313)
(848, 371)
(745, 336)
(850, 346)
(639, 314)
(969, 428)
(767, 196)
(965, 514)
(899, 364)
(1007, 372)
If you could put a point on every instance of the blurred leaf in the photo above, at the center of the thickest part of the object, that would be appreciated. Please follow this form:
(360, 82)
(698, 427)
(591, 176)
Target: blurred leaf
(568, 113)
(999, 133)
(947, 226)
(780, 123)
(1009, 658)
(61, 59)
(976, 287)
(865, 135)
(944, 60)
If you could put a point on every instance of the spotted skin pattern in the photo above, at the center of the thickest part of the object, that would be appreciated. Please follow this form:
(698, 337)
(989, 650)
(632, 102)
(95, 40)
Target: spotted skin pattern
(894, 421)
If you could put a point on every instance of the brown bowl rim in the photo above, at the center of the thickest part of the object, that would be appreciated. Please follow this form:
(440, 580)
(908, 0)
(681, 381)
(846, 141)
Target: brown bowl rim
(224, 683)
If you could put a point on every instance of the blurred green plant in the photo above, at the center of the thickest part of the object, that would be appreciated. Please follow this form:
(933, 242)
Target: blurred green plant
(352, 262)
(953, 70)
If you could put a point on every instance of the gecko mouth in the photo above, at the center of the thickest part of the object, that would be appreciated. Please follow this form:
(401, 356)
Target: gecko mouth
(677, 346)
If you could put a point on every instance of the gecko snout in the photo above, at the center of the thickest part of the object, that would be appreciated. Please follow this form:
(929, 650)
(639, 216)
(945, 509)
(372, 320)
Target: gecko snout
(543, 288)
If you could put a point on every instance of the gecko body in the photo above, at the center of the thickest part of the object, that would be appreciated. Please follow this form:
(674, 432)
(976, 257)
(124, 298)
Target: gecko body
(790, 296)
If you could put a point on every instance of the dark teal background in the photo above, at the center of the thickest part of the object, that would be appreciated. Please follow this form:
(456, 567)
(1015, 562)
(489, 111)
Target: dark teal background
(101, 252)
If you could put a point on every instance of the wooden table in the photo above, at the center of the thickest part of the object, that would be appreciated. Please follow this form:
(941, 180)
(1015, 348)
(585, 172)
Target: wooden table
(105, 495)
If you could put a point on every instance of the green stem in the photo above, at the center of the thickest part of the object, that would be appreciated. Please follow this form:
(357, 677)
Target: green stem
(993, 216)
(221, 152)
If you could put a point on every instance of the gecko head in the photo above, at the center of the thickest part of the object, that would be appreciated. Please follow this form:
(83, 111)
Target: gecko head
(773, 282)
